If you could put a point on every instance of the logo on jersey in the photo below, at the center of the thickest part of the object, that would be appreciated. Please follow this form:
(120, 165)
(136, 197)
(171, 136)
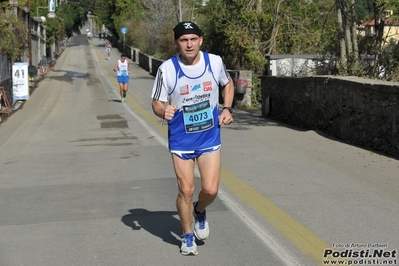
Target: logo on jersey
(196, 87)
(184, 90)
(196, 98)
(207, 85)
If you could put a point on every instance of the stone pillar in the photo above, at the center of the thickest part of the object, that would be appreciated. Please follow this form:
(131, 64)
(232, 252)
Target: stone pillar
(14, 7)
(246, 101)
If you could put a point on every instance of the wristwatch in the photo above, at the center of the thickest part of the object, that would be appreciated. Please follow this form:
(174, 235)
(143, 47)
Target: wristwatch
(230, 109)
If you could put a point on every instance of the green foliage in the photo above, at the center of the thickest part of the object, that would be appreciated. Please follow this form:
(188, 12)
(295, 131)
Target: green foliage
(69, 15)
(364, 10)
(243, 35)
(74, 13)
(237, 36)
(329, 39)
(122, 13)
(300, 28)
(104, 10)
(120, 16)
(127, 14)
(367, 44)
(256, 96)
(13, 32)
(53, 30)
(389, 62)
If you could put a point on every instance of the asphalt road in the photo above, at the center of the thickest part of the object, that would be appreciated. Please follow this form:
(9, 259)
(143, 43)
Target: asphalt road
(87, 180)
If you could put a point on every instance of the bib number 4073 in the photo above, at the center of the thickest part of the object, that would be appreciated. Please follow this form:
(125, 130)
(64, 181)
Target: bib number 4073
(198, 117)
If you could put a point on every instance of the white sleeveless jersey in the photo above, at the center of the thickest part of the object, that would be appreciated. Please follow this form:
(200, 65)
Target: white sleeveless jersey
(123, 68)
(195, 90)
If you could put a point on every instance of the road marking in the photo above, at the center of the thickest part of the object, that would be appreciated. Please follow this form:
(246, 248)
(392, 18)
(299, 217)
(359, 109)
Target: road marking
(304, 239)
(114, 84)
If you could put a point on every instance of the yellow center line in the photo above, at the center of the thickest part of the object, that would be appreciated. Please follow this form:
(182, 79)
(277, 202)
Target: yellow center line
(304, 239)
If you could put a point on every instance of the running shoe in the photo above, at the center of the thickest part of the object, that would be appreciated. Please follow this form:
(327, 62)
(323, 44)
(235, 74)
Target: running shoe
(188, 247)
(201, 226)
(123, 100)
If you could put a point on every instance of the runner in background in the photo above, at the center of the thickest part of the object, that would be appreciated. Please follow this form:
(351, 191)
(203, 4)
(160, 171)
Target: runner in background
(122, 68)
(88, 34)
(108, 47)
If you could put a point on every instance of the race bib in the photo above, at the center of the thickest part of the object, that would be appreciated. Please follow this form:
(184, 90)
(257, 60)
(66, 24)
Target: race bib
(198, 117)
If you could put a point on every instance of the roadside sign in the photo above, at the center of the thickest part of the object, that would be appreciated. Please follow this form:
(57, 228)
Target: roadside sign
(123, 30)
(51, 6)
(20, 81)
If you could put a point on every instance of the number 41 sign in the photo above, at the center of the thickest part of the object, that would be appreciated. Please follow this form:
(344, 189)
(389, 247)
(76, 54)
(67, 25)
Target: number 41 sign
(20, 82)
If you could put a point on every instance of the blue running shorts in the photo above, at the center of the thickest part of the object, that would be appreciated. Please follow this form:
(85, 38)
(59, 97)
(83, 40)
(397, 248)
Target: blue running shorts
(123, 79)
(187, 155)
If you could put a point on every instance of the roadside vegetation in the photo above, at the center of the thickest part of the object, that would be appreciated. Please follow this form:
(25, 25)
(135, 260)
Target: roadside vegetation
(13, 32)
(245, 32)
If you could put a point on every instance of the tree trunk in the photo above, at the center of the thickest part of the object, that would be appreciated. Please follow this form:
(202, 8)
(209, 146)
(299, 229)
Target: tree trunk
(354, 31)
(275, 29)
(379, 19)
(341, 35)
(259, 6)
(348, 38)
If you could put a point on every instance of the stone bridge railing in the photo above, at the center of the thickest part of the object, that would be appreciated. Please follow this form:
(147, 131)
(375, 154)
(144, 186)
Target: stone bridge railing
(358, 111)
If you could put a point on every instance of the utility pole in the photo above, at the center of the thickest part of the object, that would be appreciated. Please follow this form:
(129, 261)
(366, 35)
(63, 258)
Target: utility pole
(29, 36)
(63, 21)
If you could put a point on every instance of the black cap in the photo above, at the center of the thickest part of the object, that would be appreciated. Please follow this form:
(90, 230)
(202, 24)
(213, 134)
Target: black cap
(186, 27)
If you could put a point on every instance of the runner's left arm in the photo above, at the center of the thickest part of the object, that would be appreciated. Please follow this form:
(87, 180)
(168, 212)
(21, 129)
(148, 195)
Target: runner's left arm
(226, 117)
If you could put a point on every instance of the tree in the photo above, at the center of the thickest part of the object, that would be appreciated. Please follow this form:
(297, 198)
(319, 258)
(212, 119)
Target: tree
(163, 15)
(347, 36)
(388, 53)
(104, 9)
(341, 30)
(246, 31)
(14, 34)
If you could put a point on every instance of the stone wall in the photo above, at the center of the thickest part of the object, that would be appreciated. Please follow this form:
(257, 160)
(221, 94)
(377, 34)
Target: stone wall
(358, 111)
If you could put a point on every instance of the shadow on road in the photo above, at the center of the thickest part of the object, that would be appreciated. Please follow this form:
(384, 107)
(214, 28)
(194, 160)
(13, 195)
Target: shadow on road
(162, 224)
